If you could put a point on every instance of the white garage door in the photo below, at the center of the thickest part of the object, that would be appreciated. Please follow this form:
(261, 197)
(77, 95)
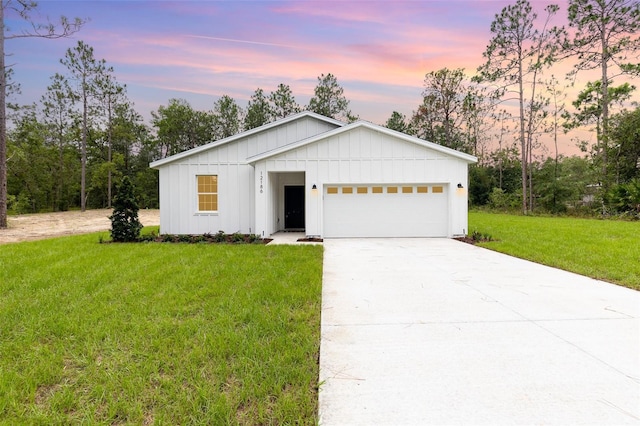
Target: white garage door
(385, 210)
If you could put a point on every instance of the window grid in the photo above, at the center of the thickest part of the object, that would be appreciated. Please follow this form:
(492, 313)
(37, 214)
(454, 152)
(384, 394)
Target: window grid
(207, 193)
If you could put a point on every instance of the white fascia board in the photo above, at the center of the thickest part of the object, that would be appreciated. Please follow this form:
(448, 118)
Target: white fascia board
(361, 123)
(215, 144)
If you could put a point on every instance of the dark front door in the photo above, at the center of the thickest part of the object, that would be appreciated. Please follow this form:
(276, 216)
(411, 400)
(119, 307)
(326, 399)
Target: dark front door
(294, 207)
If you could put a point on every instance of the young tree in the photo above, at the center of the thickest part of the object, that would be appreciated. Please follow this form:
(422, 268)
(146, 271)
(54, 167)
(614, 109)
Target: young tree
(258, 111)
(329, 99)
(23, 10)
(125, 226)
(282, 102)
(605, 37)
(557, 99)
(87, 72)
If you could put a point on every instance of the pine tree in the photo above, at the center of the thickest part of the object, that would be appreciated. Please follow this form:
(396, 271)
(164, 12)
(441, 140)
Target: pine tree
(125, 226)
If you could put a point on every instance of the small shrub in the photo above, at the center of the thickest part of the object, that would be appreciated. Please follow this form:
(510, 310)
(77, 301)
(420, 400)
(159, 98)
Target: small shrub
(625, 199)
(480, 237)
(11, 202)
(220, 237)
(254, 238)
(184, 238)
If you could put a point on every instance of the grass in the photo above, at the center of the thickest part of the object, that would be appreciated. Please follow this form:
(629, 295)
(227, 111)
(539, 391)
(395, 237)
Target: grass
(603, 249)
(158, 333)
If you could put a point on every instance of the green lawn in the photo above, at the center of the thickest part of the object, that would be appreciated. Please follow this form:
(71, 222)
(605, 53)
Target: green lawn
(604, 249)
(158, 333)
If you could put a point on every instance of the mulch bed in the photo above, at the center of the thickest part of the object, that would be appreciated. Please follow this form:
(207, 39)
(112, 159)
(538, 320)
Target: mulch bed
(310, 240)
(466, 240)
(219, 238)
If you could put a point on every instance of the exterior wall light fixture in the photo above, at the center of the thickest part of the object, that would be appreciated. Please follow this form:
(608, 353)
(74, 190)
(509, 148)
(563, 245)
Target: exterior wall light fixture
(460, 186)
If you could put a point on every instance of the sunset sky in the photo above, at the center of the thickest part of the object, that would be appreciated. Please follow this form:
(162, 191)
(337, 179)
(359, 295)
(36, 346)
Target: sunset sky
(199, 50)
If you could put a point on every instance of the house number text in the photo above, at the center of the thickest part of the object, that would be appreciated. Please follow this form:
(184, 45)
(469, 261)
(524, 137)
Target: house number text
(261, 182)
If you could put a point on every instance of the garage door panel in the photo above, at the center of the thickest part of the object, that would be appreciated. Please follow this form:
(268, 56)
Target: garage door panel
(415, 214)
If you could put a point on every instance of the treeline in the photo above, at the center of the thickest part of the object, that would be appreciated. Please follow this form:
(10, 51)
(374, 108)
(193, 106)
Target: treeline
(513, 111)
(70, 149)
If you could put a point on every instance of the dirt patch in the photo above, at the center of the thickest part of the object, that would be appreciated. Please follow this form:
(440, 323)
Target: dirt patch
(39, 226)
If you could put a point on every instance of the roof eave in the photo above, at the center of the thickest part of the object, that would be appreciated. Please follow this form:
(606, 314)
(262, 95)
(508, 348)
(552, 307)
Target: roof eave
(361, 123)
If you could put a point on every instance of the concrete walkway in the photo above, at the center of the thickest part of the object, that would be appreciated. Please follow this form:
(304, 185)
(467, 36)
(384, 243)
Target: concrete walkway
(289, 238)
(434, 331)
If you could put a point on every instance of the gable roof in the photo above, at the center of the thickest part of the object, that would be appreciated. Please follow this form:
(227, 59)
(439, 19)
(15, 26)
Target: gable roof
(365, 124)
(215, 144)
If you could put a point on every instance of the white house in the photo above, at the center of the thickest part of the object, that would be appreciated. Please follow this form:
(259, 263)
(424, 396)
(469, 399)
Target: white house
(312, 173)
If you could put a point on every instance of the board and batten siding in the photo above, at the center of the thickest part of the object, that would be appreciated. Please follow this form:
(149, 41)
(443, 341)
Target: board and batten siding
(236, 198)
(365, 156)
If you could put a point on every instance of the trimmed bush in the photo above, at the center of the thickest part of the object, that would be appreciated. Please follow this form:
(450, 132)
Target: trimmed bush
(125, 226)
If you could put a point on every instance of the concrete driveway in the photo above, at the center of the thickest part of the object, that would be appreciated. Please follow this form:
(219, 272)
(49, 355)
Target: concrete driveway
(435, 331)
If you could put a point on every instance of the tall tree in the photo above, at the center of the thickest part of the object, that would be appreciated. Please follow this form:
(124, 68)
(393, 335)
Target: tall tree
(227, 116)
(87, 72)
(258, 110)
(444, 89)
(282, 102)
(476, 110)
(110, 94)
(605, 37)
(22, 9)
(589, 110)
(58, 116)
(625, 137)
(179, 127)
(29, 162)
(329, 99)
(129, 134)
(515, 55)
(398, 122)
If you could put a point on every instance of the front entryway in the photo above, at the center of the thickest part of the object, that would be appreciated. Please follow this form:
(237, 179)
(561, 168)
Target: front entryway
(294, 207)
